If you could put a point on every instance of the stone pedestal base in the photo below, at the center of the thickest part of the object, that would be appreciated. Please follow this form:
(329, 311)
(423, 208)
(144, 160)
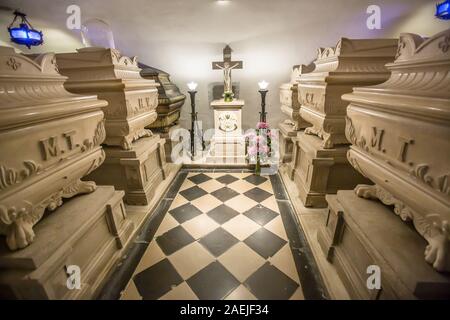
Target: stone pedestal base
(137, 171)
(317, 171)
(287, 132)
(89, 232)
(227, 150)
(172, 142)
(360, 233)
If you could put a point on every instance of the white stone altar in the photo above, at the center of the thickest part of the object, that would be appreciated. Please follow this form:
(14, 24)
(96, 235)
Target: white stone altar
(399, 132)
(319, 164)
(135, 157)
(227, 146)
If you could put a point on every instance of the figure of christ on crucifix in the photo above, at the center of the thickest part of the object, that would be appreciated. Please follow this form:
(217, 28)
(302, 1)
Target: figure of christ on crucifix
(227, 65)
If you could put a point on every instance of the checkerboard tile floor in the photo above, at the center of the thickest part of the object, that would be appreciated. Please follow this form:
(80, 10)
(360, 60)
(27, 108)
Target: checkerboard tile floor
(222, 238)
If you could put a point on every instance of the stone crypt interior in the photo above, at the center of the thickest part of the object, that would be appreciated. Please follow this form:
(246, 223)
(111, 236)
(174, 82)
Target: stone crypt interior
(224, 150)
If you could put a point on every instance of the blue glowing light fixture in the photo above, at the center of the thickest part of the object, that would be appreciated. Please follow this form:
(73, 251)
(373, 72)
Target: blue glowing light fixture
(24, 34)
(442, 10)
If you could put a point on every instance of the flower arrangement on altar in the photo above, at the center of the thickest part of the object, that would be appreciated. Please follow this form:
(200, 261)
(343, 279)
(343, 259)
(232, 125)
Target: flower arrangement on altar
(259, 144)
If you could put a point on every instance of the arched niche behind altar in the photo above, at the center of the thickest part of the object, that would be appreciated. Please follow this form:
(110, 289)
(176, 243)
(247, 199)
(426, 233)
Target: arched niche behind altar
(97, 33)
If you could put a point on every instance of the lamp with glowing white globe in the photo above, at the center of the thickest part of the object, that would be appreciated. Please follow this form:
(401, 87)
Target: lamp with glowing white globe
(192, 86)
(263, 85)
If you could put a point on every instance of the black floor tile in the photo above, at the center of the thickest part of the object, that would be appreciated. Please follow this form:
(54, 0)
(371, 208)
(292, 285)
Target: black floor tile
(269, 283)
(278, 187)
(227, 179)
(257, 194)
(218, 241)
(185, 212)
(312, 285)
(255, 179)
(154, 282)
(193, 193)
(214, 282)
(260, 214)
(176, 185)
(222, 214)
(225, 194)
(265, 243)
(199, 178)
(174, 240)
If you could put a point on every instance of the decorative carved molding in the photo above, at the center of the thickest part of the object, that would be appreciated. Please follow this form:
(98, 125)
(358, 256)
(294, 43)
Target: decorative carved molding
(120, 59)
(11, 176)
(13, 64)
(440, 184)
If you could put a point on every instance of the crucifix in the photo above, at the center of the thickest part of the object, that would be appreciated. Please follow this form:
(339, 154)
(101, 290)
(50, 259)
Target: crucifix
(227, 65)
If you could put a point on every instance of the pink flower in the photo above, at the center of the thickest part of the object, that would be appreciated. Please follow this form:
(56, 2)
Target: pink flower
(259, 139)
(271, 134)
(262, 125)
(252, 151)
(250, 135)
(264, 149)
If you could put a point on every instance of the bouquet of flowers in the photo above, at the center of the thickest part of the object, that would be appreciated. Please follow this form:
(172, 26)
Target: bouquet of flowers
(259, 145)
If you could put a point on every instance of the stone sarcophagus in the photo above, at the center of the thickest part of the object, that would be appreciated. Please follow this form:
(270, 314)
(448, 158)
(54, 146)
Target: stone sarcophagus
(400, 135)
(290, 106)
(320, 165)
(290, 103)
(49, 138)
(115, 78)
(135, 158)
(170, 102)
(351, 63)
(170, 99)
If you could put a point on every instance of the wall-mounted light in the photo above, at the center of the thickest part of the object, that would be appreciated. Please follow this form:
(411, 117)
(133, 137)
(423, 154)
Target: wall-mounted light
(442, 10)
(24, 34)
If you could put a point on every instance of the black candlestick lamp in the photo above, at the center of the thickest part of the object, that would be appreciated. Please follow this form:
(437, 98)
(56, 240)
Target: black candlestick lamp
(263, 91)
(192, 91)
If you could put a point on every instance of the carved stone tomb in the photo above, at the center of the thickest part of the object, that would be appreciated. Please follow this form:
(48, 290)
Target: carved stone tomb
(135, 157)
(400, 140)
(50, 139)
(170, 102)
(290, 106)
(319, 160)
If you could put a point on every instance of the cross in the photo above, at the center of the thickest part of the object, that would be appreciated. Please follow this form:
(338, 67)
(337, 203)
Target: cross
(227, 65)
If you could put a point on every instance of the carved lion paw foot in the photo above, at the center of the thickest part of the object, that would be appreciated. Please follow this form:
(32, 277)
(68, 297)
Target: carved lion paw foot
(20, 235)
(366, 191)
(310, 131)
(437, 251)
(328, 144)
(87, 186)
(78, 187)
